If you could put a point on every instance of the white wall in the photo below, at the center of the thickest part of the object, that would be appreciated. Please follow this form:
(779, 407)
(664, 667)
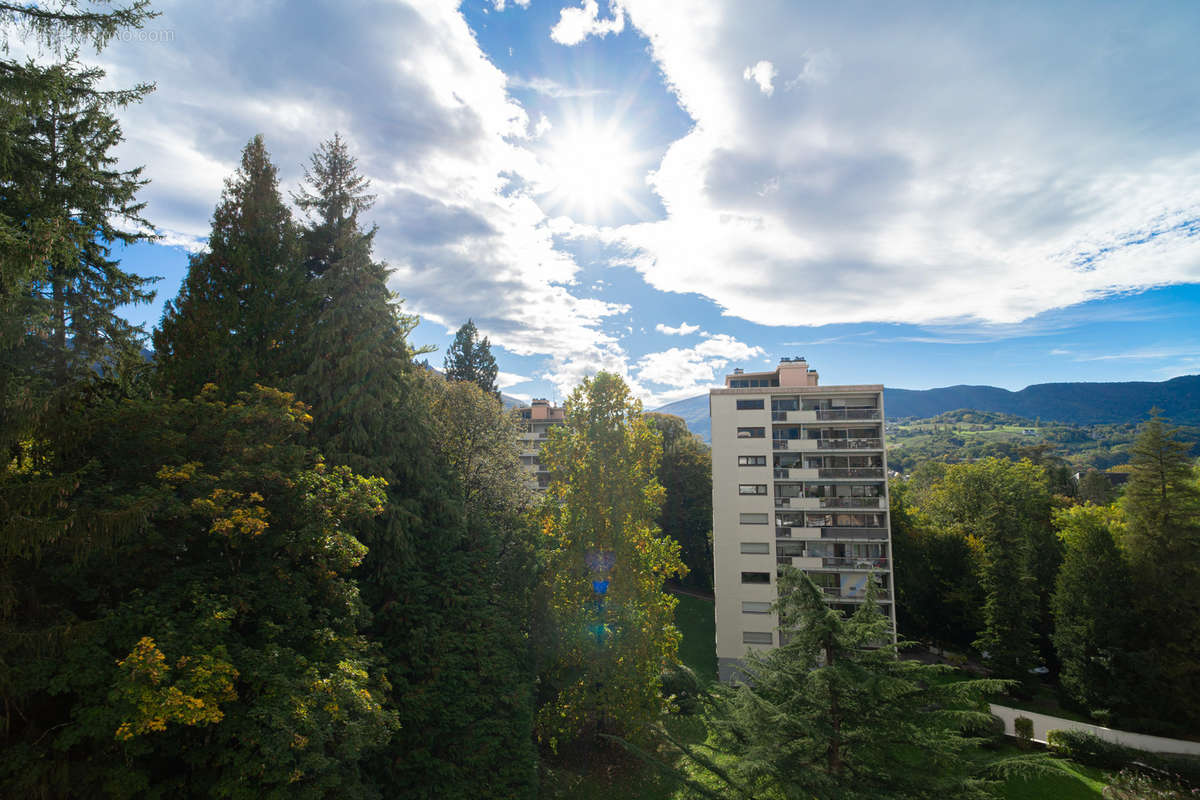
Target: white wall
(1044, 723)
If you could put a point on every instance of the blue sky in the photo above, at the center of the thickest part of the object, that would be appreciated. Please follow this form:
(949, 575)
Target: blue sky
(918, 195)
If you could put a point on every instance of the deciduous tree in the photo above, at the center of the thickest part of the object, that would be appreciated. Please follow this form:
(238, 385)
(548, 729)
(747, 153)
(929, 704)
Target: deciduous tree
(613, 631)
(685, 472)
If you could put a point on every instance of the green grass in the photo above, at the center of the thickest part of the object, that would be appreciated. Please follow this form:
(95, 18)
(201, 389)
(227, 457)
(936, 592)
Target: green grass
(1080, 783)
(694, 618)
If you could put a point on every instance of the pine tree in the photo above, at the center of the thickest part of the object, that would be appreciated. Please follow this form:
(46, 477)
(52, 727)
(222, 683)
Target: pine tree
(833, 714)
(605, 567)
(1093, 610)
(1162, 539)
(240, 315)
(470, 359)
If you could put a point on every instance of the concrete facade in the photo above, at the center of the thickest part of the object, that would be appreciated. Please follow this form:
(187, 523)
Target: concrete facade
(799, 478)
(538, 418)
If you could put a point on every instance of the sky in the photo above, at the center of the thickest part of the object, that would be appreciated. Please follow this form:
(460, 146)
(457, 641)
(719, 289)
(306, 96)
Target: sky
(918, 194)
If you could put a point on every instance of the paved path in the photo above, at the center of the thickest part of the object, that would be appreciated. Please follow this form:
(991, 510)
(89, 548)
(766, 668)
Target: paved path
(1043, 723)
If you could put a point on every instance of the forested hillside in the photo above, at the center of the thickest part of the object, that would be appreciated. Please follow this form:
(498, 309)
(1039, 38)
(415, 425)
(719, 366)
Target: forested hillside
(966, 435)
(1070, 403)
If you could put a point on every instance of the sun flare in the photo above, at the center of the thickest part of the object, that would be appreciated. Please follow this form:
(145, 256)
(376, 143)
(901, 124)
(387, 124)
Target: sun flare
(592, 170)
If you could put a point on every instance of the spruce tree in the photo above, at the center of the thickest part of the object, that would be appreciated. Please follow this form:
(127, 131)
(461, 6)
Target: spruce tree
(470, 359)
(242, 310)
(1162, 539)
(431, 577)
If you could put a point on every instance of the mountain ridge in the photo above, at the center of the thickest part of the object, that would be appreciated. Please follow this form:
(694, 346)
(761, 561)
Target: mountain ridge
(1082, 403)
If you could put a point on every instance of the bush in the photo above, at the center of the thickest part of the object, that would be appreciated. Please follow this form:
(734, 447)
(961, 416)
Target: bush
(990, 731)
(1089, 749)
(1023, 727)
(1130, 785)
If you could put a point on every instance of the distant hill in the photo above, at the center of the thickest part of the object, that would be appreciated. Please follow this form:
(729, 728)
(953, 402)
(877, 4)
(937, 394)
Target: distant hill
(1071, 403)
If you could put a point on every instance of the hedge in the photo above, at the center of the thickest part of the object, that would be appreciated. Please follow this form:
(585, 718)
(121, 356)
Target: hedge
(1089, 749)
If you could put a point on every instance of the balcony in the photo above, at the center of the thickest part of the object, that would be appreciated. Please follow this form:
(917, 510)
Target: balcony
(850, 502)
(838, 593)
(850, 472)
(847, 413)
(849, 444)
(781, 474)
(854, 533)
(854, 563)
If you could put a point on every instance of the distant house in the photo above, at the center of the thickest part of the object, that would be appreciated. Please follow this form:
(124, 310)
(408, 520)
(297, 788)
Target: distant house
(1030, 432)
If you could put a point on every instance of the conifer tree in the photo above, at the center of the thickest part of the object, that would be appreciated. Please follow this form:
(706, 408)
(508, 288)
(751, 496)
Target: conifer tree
(240, 315)
(833, 714)
(470, 359)
(611, 623)
(460, 681)
(1093, 610)
(1162, 539)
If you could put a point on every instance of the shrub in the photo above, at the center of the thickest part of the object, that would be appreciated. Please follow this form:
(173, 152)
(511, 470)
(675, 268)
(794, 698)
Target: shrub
(1089, 749)
(989, 731)
(1023, 727)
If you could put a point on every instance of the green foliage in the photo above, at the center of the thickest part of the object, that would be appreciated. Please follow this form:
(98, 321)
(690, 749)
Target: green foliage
(1096, 488)
(833, 713)
(1087, 748)
(938, 594)
(470, 358)
(240, 315)
(685, 472)
(1162, 540)
(1005, 508)
(1093, 604)
(218, 636)
(1023, 728)
(604, 652)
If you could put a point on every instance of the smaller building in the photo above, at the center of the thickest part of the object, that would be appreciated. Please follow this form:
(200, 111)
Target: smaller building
(539, 417)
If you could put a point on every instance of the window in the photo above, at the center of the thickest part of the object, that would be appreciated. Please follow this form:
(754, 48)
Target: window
(757, 637)
(752, 433)
(756, 548)
(756, 577)
(752, 461)
(752, 519)
(755, 607)
(752, 488)
(750, 405)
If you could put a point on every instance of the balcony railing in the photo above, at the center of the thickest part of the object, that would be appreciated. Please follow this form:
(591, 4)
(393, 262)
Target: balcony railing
(779, 416)
(783, 502)
(781, 474)
(779, 444)
(849, 444)
(847, 413)
(840, 594)
(850, 502)
(854, 533)
(782, 532)
(850, 472)
(862, 562)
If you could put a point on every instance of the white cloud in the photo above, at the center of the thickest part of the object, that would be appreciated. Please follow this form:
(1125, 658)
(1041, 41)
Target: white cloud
(507, 379)
(500, 5)
(542, 128)
(427, 115)
(763, 73)
(689, 371)
(1002, 170)
(683, 330)
(576, 24)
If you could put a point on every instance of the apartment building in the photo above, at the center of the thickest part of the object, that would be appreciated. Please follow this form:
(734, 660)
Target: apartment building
(799, 478)
(539, 416)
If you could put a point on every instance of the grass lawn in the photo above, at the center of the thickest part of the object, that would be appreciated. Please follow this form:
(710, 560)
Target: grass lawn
(694, 618)
(1080, 783)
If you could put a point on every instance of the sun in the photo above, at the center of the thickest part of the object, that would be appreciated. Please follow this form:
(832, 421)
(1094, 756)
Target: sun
(593, 170)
